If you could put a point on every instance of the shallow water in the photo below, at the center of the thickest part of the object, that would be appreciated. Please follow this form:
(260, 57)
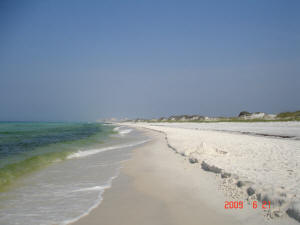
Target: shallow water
(69, 187)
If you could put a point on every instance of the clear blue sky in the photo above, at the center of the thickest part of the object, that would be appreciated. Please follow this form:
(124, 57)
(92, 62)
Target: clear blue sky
(84, 60)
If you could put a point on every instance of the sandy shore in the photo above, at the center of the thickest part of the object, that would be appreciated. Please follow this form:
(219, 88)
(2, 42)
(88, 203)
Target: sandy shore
(158, 186)
(253, 166)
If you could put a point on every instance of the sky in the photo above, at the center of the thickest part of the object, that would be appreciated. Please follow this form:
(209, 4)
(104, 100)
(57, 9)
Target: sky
(69, 60)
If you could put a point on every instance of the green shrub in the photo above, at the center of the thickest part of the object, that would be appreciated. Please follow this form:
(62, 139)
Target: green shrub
(289, 114)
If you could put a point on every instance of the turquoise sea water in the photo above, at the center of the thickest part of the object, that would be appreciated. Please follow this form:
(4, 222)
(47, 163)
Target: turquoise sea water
(55, 173)
(25, 147)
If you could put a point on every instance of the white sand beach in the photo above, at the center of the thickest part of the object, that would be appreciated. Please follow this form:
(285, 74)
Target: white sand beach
(159, 186)
(255, 161)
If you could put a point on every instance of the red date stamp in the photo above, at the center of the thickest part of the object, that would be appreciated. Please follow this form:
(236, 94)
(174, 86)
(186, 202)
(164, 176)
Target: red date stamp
(234, 205)
(240, 205)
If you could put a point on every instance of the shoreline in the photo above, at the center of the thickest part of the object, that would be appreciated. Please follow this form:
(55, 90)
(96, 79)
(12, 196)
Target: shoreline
(158, 186)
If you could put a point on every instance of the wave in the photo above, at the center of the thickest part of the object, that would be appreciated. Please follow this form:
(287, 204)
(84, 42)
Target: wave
(123, 132)
(86, 153)
(97, 201)
(13, 171)
(95, 188)
(116, 128)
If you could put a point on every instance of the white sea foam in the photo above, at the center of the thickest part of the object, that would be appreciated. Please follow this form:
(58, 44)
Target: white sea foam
(123, 132)
(116, 128)
(86, 153)
(95, 188)
(97, 202)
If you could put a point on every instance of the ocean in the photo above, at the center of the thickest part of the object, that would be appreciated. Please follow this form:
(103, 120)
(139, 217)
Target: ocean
(55, 173)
